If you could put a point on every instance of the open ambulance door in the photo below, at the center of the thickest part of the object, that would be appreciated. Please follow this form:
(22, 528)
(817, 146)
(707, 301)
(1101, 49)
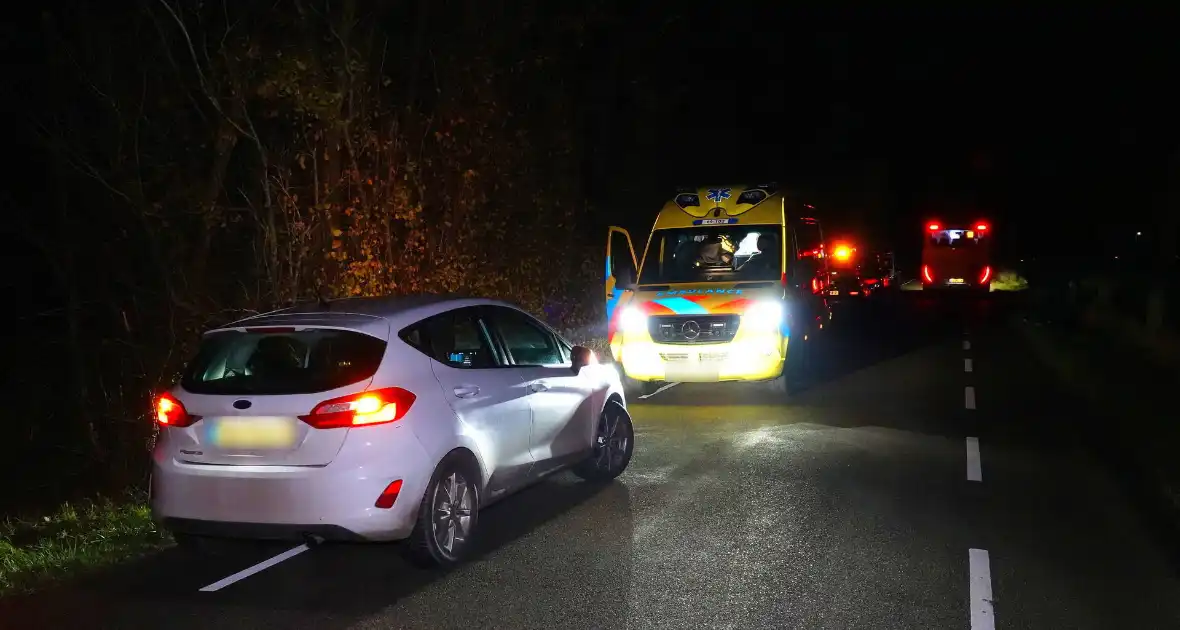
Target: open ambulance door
(621, 273)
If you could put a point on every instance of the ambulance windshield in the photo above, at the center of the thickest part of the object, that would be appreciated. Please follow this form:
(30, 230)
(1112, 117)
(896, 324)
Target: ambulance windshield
(713, 254)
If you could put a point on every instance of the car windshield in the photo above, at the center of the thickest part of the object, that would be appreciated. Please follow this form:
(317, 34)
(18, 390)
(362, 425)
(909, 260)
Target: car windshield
(282, 361)
(709, 254)
(955, 238)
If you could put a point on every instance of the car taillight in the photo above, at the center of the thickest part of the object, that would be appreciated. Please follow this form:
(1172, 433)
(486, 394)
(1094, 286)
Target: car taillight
(927, 275)
(379, 406)
(986, 275)
(870, 281)
(170, 412)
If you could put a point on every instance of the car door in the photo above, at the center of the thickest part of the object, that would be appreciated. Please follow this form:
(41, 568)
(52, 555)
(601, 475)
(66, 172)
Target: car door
(487, 394)
(562, 402)
(622, 270)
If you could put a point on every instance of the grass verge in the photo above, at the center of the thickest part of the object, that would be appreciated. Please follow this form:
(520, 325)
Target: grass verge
(76, 538)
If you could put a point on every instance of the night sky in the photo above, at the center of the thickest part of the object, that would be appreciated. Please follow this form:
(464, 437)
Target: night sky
(1057, 120)
(1060, 119)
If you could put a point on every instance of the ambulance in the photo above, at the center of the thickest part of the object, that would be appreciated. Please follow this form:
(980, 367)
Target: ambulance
(729, 288)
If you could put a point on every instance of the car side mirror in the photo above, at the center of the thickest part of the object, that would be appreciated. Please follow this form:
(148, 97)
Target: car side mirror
(580, 357)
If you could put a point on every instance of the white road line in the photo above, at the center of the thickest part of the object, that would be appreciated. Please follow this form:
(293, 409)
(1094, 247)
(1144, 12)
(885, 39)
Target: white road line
(966, 345)
(668, 386)
(245, 573)
(967, 367)
(969, 397)
(982, 615)
(974, 468)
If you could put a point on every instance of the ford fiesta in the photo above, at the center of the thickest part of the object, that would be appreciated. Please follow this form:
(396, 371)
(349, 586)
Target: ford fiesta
(379, 419)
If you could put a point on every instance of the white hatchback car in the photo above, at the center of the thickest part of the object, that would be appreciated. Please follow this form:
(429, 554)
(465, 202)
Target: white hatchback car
(379, 419)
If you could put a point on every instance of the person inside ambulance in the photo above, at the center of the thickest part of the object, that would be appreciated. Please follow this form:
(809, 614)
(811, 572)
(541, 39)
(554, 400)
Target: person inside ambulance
(714, 252)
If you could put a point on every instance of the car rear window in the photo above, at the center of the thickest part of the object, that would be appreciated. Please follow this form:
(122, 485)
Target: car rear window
(282, 361)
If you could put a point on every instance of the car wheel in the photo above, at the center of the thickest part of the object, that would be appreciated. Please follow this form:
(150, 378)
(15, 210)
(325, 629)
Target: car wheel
(447, 517)
(794, 367)
(614, 443)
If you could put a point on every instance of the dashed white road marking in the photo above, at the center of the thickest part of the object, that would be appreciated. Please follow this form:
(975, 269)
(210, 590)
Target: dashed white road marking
(261, 566)
(967, 367)
(982, 615)
(665, 387)
(969, 397)
(974, 467)
(966, 345)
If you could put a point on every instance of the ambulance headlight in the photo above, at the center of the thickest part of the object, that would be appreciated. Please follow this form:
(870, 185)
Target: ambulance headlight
(766, 315)
(633, 320)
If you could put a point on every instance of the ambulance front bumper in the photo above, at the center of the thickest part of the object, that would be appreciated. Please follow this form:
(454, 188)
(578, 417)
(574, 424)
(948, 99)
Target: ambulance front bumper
(752, 360)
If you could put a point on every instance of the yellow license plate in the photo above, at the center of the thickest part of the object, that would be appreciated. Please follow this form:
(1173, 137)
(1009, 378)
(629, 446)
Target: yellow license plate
(254, 433)
(956, 281)
(834, 293)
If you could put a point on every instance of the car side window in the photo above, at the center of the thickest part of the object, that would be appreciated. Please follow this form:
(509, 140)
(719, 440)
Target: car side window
(527, 341)
(456, 338)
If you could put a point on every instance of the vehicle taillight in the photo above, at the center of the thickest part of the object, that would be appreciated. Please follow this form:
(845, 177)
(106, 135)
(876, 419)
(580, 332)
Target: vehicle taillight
(870, 281)
(815, 285)
(934, 227)
(170, 412)
(379, 406)
(986, 275)
(982, 227)
(927, 275)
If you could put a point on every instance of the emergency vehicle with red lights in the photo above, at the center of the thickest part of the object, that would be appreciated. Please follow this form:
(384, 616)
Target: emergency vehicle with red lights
(957, 257)
(728, 289)
(845, 273)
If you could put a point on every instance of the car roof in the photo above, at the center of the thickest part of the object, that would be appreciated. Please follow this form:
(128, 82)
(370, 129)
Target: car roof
(375, 315)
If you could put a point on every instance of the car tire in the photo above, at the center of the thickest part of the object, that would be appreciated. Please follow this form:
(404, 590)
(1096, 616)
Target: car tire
(799, 362)
(614, 444)
(448, 515)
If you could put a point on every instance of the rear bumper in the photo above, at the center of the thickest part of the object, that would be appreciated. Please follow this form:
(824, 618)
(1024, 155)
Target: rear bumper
(259, 531)
(335, 501)
(964, 288)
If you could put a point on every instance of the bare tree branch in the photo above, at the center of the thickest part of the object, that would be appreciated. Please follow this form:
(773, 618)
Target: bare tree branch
(201, 74)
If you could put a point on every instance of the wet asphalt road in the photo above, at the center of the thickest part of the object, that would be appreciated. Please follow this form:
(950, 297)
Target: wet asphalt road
(846, 505)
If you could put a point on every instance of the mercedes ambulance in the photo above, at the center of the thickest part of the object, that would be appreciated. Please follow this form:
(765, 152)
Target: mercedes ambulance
(729, 288)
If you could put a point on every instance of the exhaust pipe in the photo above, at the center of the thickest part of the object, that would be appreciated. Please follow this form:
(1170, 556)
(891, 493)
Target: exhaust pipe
(312, 540)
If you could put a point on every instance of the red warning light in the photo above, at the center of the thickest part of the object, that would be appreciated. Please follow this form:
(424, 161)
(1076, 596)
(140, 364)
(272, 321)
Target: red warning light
(934, 227)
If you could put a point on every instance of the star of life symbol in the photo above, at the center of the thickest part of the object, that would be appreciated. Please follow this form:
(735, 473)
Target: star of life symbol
(717, 194)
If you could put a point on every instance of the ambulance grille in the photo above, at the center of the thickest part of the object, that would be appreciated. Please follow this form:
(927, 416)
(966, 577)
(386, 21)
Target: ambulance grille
(693, 328)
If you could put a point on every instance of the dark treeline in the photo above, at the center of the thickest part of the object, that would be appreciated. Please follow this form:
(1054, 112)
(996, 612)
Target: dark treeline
(187, 163)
